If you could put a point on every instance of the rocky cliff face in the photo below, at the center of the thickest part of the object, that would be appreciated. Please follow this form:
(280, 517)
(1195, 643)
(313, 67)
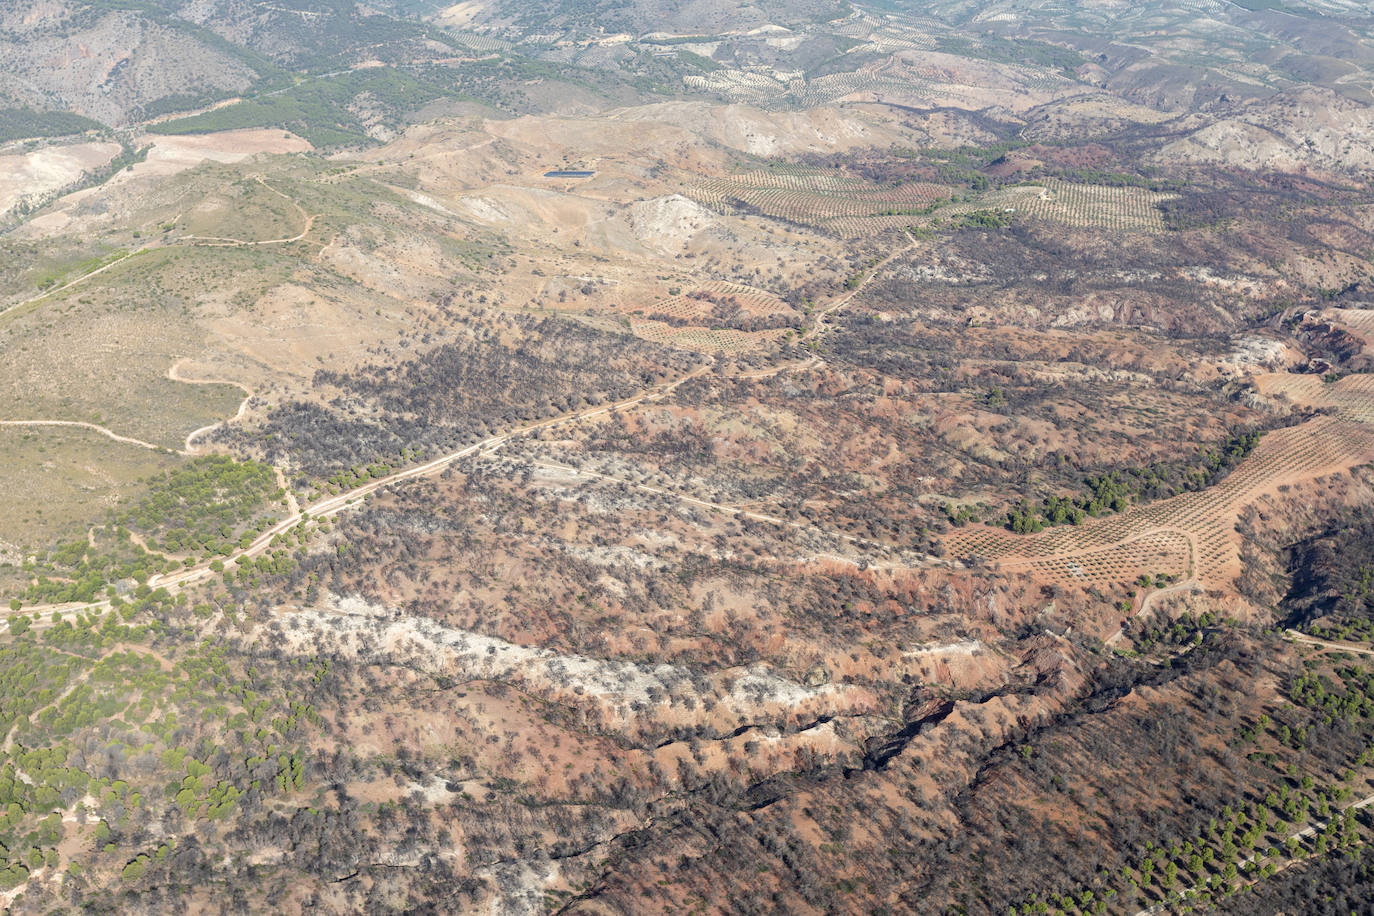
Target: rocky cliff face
(111, 65)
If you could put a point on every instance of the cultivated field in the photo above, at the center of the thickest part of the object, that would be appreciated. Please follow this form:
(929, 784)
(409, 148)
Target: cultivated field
(1123, 209)
(697, 303)
(815, 198)
(1194, 534)
(703, 340)
(853, 207)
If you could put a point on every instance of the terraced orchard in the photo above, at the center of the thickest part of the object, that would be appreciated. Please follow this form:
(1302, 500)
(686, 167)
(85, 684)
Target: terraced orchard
(715, 316)
(719, 299)
(853, 207)
(702, 340)
(1122, 209)
(817, 198)
(1193, 534)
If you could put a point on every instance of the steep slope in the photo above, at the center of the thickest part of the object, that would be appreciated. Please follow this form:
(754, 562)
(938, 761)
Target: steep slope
(112, 65)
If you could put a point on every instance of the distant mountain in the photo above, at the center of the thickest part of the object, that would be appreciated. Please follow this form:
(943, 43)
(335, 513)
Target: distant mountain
(341, 72)
(113, 63)
(120, 62)
(125, 61)
(520, 18)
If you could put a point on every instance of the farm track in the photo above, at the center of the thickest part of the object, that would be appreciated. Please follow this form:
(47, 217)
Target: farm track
(333, 505)
(814, 198)
(1124, 209)
(725, 509)
(854, 207)
(173, 374)
(108, 433)
(1299, 637)
(819, 324)
(441, 154)
(1191, 586)
(1193, 535)
(83, 677)
(66, 286)
(187, 449)
(221, 242)
(175, 243)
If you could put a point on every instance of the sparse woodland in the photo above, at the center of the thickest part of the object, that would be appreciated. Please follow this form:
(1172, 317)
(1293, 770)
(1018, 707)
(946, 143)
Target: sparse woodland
(622, 458)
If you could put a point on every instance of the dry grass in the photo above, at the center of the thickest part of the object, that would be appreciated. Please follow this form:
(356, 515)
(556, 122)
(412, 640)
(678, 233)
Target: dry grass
(58, 481)
(243, 209)
(100, 354)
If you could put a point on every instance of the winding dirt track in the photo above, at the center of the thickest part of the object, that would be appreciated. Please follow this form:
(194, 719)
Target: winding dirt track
(173, 374)
(222, 242)
(1190, 585)
(820, 325)
(1196, 530)
(1306, 640)
(92, 426)
(70, 284)
(333, 505)
(1197, 526)
(712, 506)
(187, 449)
(211, 240)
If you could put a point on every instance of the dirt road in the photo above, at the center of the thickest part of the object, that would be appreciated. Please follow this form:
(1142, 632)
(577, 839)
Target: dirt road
(219, 241)
(332, 505)
(92, 426)
(820, 325)
(174, 374)
(1300, 637)
(713, 506)
(66, 286)
(1186, 585)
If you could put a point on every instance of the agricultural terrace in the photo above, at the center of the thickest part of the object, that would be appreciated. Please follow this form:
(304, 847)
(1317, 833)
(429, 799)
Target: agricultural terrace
(696, 339)
(718, 300)
(703, 340)
(853, 207)
(816, 198)
(766, 85)
(1122, 209)
(716, 316)
(1193, 534)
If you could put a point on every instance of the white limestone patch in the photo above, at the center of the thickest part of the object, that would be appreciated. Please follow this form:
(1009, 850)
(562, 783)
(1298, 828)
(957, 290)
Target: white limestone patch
(624, 690)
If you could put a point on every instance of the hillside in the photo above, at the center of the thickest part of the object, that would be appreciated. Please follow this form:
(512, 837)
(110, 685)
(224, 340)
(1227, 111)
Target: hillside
(687, 458)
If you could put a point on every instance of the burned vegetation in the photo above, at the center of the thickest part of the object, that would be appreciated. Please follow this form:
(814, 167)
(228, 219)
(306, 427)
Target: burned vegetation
(502, 373)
